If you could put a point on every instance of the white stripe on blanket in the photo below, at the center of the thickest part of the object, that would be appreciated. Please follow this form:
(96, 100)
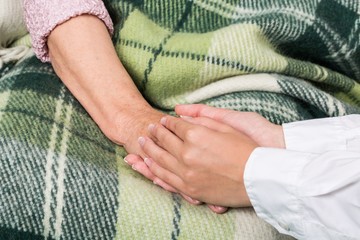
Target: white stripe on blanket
(253, 82)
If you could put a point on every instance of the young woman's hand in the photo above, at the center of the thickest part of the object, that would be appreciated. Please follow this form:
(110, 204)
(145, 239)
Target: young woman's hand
(138, 164)
(255, 126)
(263, 132)
(198, 161)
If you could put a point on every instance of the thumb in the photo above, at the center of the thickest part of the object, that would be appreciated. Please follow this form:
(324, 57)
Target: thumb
(190, 110)
(209, 123)
(201, 110)
(246, 122)
(238, 120)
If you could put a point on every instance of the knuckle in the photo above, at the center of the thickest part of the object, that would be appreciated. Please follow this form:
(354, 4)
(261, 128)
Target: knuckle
(153, 129)
(189, 176)
(194, 135)
(146, 146)
(187, 157)
(157, 132)
(190, 134)
(173, 124)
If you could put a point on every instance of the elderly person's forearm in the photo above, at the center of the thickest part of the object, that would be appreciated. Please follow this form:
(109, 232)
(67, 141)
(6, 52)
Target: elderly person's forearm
(83, 56)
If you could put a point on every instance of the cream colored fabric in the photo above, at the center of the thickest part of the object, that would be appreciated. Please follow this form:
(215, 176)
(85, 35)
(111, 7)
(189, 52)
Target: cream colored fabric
(12, 28)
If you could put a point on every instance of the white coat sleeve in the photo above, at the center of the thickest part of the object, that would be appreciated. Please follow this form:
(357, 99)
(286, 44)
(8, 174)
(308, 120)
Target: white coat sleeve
(326, 134)
(306, 192)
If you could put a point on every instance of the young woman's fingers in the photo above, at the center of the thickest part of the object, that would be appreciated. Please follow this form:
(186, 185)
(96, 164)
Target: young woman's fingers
(166, 139)
(217, 209)
(191, 110)
(209, 123)
(245, 122)
(142, 168)
(164, 185)
(201, 110)
(132, 159)
(177, 126)
(190, 200)
(163, 174)
(138, 164)
(159, 155)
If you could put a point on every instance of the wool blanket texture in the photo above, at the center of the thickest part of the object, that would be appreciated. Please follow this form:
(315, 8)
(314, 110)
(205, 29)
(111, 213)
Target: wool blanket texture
(61, 178)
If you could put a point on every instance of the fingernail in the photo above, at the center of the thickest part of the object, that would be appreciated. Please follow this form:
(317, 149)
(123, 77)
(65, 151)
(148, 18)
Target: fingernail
(163, 120)
(194, 200)
(185, 117)
(133, 167)
(125, 160)
(191, 200)
(141, 141)
(147, 161)
(151, 127)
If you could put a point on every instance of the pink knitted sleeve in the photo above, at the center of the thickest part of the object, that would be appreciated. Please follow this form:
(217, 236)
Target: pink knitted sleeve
(42, 16)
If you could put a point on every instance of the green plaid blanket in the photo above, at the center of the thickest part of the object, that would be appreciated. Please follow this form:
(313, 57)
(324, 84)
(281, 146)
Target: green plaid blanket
(62, 179)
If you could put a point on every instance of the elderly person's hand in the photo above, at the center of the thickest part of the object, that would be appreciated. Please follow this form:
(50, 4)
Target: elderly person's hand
(129, 125)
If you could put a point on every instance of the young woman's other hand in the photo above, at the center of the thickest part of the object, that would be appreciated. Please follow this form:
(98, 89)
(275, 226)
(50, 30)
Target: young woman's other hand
(258, 128)
(199, 161)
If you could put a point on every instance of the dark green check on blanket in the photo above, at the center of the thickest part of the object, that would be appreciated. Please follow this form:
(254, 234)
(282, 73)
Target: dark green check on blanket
(60, 178)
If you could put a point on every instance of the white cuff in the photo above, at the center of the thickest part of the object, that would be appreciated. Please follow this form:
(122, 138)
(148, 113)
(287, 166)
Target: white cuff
(272, 200)
(306, 195)
(321, 135)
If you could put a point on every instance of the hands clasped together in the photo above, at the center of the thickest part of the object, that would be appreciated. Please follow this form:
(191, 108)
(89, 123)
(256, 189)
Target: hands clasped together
(203, 154)
(202, 157)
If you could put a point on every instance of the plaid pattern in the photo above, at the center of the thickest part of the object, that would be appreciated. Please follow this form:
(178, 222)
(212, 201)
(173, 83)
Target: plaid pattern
(62, 179)
(170, 54)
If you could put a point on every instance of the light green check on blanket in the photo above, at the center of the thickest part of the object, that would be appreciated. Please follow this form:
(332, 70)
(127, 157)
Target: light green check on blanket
(62, 179)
